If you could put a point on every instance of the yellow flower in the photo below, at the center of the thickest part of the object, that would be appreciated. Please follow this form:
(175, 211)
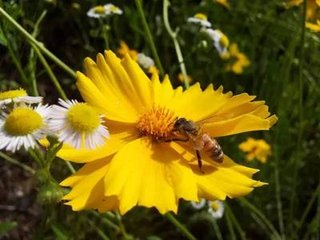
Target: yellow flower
(153, 70)
(224, 3)
(135, 167)
(256, 149)
(124, 49)
(313, 27)
(181, 78)
(312, 8)
(240, 60)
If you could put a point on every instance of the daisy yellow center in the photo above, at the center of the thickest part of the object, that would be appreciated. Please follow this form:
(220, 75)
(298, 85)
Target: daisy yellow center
(201, 16)
(13, 94)
(22, 121)
(157, 123)
(99, 9)
(83, 118)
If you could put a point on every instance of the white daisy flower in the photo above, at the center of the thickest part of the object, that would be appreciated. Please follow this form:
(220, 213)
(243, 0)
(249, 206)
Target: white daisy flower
(220, 40)
(103, 11)
(145, 61)
(201, 19)
(23, 127)
(112, 9)
(17, 96)
(78, 124)
(199, 205)
(216, 209)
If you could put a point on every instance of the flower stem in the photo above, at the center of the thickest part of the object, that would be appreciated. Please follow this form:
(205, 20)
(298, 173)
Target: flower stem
(298, 156)
(173, 35)
(217, 230)
(36, 43)
(235, 222)
(308, 208)
(50, 72)
(181, 227)
(261, 216)
(13, 55)
(230, 226)
(16, 162)
(32, 59)
(104, 33)
(149, 37)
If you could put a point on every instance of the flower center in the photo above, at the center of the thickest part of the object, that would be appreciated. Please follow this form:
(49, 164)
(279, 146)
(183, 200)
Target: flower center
(99, 9)
(157, 123)
(22, 121)
(201, 16)
(83, 118)
(13, 94)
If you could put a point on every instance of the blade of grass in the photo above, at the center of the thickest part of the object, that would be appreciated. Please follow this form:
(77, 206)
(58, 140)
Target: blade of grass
(39, 45)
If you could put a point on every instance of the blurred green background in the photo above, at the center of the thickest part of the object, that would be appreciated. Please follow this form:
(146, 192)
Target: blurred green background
(284, 71)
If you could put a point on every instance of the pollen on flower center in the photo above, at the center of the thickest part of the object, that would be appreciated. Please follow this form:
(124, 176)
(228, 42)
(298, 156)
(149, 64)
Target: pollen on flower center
(99, 9)
(22, 121)
(13, 94)
(157, 123)
(83, 118)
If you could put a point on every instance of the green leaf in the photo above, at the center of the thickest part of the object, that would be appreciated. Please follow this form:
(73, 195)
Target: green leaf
(7, 226)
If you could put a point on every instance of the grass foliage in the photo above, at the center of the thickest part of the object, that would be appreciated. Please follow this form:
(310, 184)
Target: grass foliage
(284, 71)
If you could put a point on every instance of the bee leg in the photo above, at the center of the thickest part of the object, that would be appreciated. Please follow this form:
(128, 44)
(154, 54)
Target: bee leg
(177, 139)
(199, 161)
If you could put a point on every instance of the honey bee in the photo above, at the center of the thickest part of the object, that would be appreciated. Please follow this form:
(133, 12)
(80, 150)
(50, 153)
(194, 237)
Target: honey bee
(201, 141)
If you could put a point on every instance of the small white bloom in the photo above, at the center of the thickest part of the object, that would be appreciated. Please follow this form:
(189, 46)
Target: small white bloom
(17, 96)
(78, 124)
(216, 209)
(112, 9)
(145, 61)
(199, 205)
(23, 127)
(220, 41)
(201, 19)
(103, 11)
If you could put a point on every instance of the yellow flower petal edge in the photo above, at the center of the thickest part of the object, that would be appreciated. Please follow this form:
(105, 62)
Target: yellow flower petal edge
(141, 164)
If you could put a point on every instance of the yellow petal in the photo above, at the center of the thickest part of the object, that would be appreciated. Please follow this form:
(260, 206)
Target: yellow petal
(225, 180)
(195, 104)
(89, 188)
(124, 82)
(153, 176)
(141, 82)
(119, 136)
(112, 108)
(163, 93)
(243, 123)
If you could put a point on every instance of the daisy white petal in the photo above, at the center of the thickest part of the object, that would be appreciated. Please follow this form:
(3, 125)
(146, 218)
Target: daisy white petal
(16, 132)
(78, 124)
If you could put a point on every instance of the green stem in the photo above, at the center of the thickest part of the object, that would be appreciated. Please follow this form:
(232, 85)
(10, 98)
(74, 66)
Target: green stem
(174, 35)
(262, 217)
(104, 33)
(235, 222)
(230, 226)
(149, 37)
(106, 220)
(122, 228)
(181, 227)
(50, 72)
(98, 230)
(217, 229)
(300, 129)
(16, 162)
(278, 194)
(37, 44)
(13, 55)
(32, 59)
(308, 208)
